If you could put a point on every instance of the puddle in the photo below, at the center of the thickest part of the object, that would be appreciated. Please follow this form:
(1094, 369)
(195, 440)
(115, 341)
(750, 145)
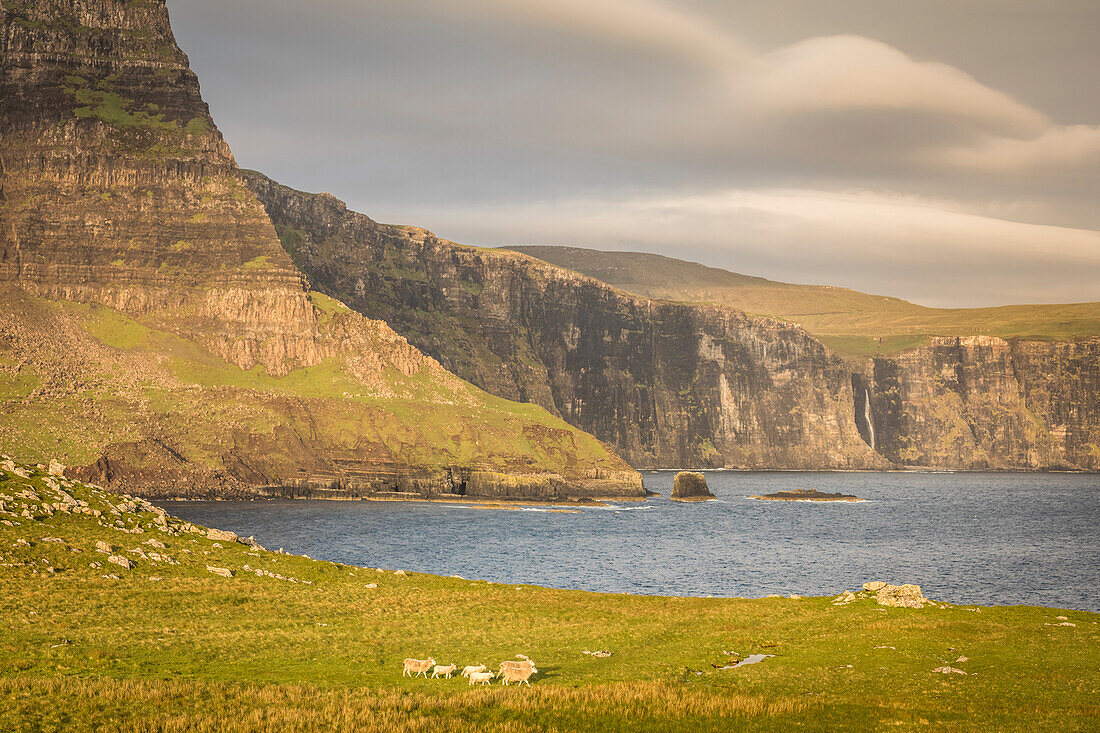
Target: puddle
(751, 659)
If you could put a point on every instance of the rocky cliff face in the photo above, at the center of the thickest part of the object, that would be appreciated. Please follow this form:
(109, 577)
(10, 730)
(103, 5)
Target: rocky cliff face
(985, 403)
(117, 188)
(154, 331)
(665, 384)
(671, 384)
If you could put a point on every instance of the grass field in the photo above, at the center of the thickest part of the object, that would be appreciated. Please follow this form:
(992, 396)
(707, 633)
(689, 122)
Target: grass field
(852, 323)
(175, 647)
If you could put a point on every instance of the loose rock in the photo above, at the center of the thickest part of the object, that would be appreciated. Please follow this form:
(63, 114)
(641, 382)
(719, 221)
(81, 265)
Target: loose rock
(901, 596)
(221, 534)
(948, 670)
(120, 561)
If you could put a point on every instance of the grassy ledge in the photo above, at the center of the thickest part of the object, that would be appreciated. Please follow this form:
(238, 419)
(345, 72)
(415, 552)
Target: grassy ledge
(290, 643)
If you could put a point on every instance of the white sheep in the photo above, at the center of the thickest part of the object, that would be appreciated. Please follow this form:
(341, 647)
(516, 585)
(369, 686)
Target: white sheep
(481, 678)
(513, 664)
(517, 674)
(470, 669)
(445, 670)
(417, 667)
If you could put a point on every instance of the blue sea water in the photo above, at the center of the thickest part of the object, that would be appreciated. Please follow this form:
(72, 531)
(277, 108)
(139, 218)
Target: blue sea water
(983, 538)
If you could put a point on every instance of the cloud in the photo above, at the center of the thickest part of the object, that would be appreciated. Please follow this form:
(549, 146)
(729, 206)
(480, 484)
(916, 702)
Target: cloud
(1059, 150)
(644, 23)
(538, 121)
(855, 74)
(926, 250)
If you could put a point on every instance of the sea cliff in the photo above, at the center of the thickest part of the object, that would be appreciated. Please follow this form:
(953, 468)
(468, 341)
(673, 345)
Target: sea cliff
(985, 403)
(663, 383)
(155, 335)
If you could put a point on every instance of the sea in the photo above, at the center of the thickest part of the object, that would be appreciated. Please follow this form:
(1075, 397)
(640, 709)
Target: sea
(965, 538)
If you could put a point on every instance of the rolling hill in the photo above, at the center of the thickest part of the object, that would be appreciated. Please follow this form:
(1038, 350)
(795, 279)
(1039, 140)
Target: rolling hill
(852, 323)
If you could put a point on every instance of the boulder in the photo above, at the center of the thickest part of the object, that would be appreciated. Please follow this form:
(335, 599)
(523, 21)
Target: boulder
(224, 572)
(120, 561)
(901, 596)
(102, 546)
(690, 486)
(874, 586)
(56, 469)
(155, 543)
(948, 670)
(221, 534)
(251, 542)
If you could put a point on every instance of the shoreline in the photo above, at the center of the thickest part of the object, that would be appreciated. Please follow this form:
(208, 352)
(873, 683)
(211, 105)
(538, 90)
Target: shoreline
(486, 502)
(875, 470)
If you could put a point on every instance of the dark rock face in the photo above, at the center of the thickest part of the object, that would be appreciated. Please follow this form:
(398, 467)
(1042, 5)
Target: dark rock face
(669, 384)
(985, 403)
(117, 190)
(665, 384)
(690, 486)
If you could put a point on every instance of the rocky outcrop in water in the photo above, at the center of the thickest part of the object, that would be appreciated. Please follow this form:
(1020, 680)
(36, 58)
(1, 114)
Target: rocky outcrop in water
(666, 384)
(806, 495)
(690, 486)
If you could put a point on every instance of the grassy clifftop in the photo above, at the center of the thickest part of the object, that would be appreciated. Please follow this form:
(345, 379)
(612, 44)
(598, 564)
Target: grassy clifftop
(150, 409)
(288, 643)
(852, 323)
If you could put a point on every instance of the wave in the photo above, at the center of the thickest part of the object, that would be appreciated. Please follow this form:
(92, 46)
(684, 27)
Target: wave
(620, 508)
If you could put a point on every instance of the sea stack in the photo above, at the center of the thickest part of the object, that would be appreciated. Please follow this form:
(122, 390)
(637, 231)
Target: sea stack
(690, 486)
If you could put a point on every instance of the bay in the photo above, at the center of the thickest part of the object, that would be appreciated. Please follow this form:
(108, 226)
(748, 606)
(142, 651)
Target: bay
(981, 538)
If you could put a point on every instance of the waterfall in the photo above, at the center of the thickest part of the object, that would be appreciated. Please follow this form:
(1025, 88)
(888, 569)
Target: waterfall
(867, 415)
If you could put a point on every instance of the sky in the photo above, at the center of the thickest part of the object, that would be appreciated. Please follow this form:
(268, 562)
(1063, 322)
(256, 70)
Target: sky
(946, 152)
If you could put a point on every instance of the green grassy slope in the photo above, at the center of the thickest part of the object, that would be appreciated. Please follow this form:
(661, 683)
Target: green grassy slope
(169, 645)
(76, 379)
(851, 322)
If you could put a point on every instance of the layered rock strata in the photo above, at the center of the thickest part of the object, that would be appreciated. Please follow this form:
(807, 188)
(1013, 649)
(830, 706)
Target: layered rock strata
(665, 384)
(117, 187)
(985, 403)
(155, 334)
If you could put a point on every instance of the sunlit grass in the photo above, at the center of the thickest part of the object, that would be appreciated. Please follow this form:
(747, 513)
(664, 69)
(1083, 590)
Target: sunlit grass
(194, 651)
(852, 323)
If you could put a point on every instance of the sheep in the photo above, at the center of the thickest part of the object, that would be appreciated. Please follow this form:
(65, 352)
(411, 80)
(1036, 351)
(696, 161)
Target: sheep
(482, 678)
(443, 669)
(470, 669)
(417, 667)
(513, 664)
(517, 674)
